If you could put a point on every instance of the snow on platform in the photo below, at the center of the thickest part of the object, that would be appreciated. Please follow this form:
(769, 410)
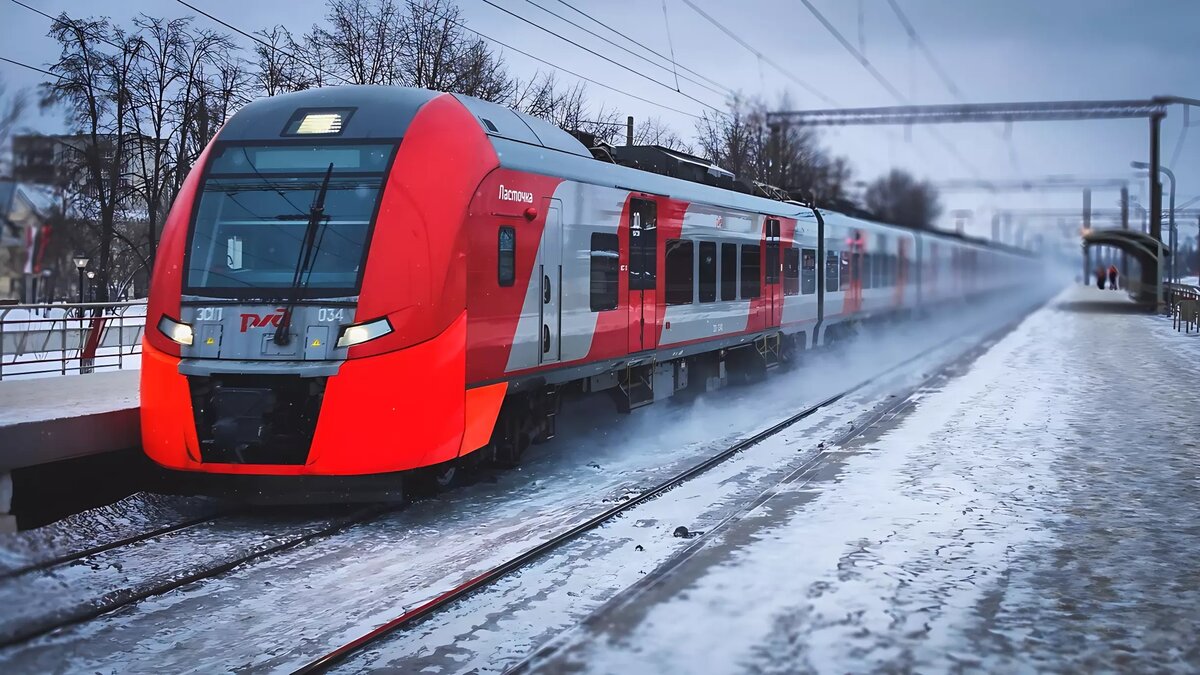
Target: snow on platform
(1039, 510)
(50, 419)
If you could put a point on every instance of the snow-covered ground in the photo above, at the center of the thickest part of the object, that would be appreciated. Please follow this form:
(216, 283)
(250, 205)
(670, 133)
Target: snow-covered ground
(273, 614)
(1037, 513)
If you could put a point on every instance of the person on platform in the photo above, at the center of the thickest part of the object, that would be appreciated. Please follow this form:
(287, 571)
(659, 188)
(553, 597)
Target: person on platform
(1112, 277)
(1100, 277)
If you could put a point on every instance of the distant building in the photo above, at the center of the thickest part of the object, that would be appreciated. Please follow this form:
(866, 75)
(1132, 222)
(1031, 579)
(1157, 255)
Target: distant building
(59, 161)
(24, 212)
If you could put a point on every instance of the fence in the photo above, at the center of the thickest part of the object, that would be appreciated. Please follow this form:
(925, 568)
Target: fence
(60, 339)
(1183, 304)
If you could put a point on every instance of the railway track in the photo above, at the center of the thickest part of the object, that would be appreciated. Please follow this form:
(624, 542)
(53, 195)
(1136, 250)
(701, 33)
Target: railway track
(412, 616)
(103, 600)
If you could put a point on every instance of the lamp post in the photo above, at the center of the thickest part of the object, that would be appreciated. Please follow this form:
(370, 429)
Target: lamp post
(81, 262)
(1171, 175)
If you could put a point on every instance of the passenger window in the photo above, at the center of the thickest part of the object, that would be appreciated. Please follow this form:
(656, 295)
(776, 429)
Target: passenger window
(751, 265)
(844, 275)
(506, 257)
(831, 272)
(808, 272)
(708, 271)
(729, 271)
(679, 271)
(791, 271)
(606, 261)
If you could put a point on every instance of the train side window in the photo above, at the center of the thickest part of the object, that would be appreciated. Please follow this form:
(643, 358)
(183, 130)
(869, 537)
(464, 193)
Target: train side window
(844, 275)
(605, 263)
(791, 271)
(831, 272)
(680, 261)
(506, 256)
(729, 271)
(751, 266)
(708, 271)
(808, 272)
(864, 270)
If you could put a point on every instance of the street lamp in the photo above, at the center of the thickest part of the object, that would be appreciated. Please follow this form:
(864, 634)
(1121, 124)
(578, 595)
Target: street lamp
(1145, 166)
(81, 263)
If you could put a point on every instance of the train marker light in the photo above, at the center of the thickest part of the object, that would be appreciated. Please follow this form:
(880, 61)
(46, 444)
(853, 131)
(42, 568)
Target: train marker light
(358, 333)
(318, 122)
(175, 331)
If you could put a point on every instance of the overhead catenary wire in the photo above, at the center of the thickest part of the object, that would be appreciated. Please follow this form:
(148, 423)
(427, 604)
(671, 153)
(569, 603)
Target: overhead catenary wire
(762, 57)
(623, 36)
(718, 89)
(928, 53)
(264, 43)
(937, 68)
(883, 81)
(448, 19)
(599, 55)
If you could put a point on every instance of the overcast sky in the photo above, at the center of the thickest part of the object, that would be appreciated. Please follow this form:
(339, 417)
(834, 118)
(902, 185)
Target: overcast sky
(1010, 50)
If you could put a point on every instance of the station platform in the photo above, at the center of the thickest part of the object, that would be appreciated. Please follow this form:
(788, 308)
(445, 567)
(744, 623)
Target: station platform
(1035, 508)
(53, 419)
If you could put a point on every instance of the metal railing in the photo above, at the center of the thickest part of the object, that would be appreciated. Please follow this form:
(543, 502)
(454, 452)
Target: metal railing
(1183, 305)
(69, 338)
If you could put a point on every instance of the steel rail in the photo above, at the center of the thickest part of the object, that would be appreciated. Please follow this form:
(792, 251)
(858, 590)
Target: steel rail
(125, 597)
(43, 565)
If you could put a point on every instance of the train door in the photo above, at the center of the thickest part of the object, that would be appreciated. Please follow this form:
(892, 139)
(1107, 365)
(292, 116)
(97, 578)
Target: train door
(772, 289)
(643, 278)
(550, 266)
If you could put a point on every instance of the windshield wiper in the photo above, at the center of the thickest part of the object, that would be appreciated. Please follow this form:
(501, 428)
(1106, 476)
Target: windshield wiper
(307, 252)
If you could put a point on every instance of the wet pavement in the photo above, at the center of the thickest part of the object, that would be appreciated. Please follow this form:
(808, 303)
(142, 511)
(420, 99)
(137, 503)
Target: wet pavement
(1039, 510)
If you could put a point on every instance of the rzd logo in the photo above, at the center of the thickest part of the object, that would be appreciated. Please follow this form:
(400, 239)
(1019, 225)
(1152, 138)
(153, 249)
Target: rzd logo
(262, 320)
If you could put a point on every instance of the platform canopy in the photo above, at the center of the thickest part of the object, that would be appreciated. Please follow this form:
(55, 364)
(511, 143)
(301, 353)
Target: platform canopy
(1148, 251)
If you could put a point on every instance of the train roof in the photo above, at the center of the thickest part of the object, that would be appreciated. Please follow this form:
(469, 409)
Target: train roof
(522, 142)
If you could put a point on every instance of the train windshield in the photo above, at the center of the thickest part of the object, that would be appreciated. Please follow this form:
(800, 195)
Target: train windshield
(256, 204)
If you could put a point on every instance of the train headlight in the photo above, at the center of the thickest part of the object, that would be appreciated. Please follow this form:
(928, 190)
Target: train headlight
(358, 333)
(176, 331)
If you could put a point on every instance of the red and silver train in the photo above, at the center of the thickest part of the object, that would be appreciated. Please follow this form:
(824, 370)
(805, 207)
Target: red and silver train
(372, 280)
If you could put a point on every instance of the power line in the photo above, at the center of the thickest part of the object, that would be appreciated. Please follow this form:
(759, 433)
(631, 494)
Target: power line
(571, 72)
(598, 54)
(762, 57)
(625, 37)
(33, 68)
(883, 81)
(263, 42)
(863, 60)
(933, 62)
(723, 92)
(473, 31)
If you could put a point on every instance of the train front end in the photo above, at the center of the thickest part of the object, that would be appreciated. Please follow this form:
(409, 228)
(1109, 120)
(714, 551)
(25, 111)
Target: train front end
(307, 309)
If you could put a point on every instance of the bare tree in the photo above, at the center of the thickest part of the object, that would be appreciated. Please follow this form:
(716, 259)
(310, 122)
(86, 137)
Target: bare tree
(654, 131)
(154, 80)
(901, 199)
(94, 87)
(279, 63)
(438, 54)
(787, 157)
(364, 40)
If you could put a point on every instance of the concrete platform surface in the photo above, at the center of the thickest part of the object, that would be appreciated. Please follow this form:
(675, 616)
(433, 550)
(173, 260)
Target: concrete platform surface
(1038, 511)
(54, 418)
